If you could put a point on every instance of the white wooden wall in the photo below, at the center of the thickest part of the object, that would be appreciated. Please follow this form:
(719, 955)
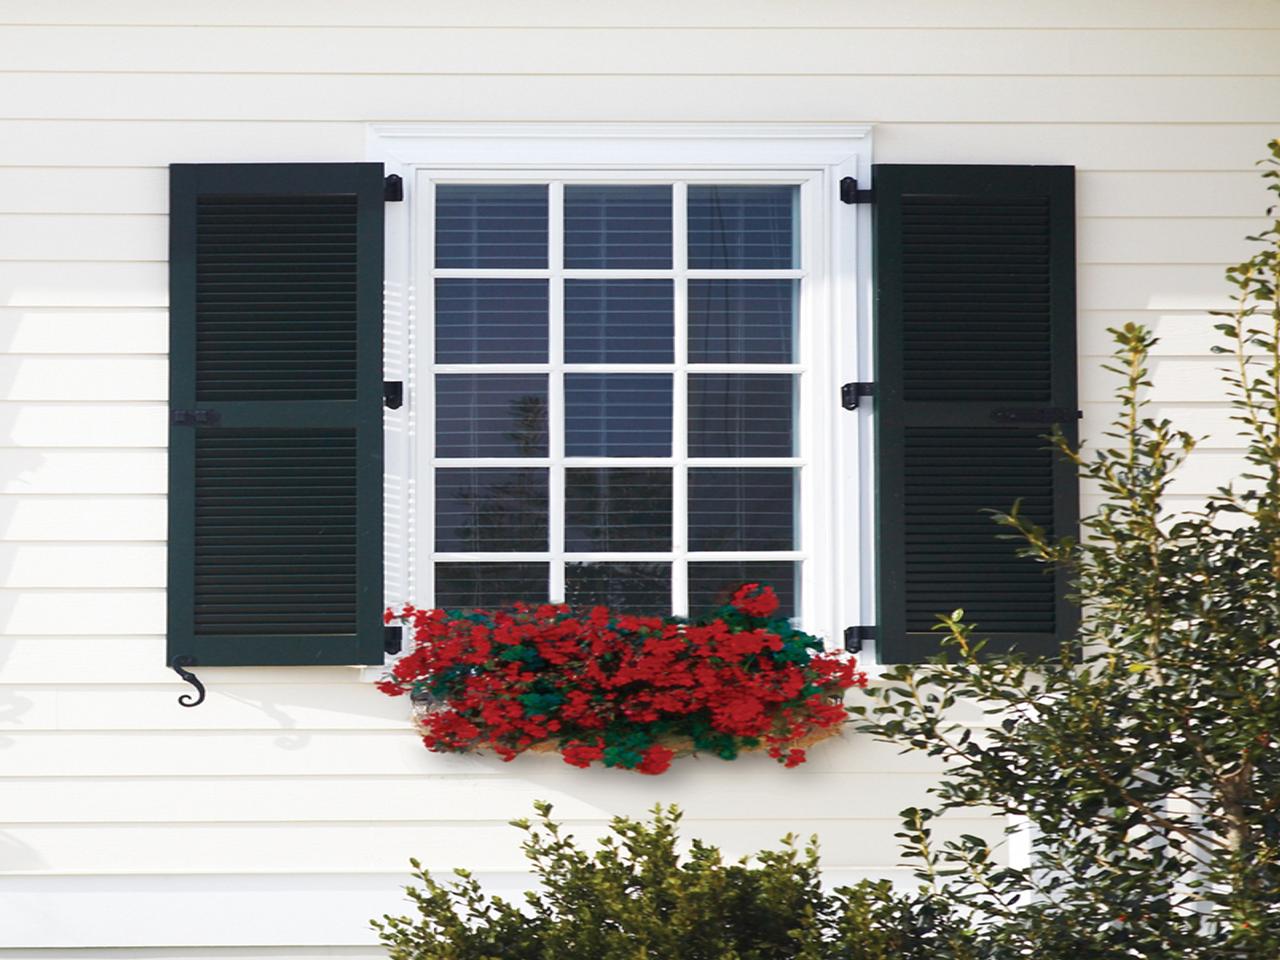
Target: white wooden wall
(278, 817)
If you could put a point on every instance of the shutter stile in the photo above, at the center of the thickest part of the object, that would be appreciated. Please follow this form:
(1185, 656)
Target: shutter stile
(276, 500)
(975, 321)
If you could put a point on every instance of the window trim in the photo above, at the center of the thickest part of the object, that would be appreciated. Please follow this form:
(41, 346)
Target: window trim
(819, 153)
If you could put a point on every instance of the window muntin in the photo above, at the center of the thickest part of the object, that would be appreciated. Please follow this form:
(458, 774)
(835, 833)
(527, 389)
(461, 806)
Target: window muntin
(666, 411)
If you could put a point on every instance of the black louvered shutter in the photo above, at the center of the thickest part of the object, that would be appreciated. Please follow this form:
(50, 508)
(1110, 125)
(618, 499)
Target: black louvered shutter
(275, 443)
(976, 358)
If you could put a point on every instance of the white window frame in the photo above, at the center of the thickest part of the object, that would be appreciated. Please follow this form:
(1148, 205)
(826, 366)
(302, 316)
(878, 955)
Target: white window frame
(836, 505)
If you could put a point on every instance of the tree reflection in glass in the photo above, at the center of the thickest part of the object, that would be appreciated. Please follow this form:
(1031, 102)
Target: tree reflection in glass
(500, 509)
(635, 587)
(618, 508)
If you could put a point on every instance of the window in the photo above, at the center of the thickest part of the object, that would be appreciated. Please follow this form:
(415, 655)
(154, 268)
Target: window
(617, 377)
(623, 374)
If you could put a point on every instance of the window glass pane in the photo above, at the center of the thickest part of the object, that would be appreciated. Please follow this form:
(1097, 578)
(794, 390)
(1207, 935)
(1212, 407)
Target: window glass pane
(491, 225)
(638, 588)
(491, 415)
(733, 508)
(741, 415)
(617, 414)
(618, 321)
(491, 321)
(743, 227)
(620, 227)
(491, 509)
(743, 321)
(711, 583)
(467, 585)
(617, 509)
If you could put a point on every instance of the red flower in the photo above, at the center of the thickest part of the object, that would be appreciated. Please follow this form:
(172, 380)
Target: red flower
(755, 600)
(582, 754)
(656, 760)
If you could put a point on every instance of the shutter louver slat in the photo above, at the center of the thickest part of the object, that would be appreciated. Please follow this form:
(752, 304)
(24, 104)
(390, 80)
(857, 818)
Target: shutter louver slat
(276, 509)
(974, 313)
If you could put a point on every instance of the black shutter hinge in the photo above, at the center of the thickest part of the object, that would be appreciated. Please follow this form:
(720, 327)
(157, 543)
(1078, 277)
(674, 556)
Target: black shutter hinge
(854, 636)
(393, 188)
(179, 665)
(392, 638)
(393, 394)
(852, 393)
(849, 192)
(195, 418)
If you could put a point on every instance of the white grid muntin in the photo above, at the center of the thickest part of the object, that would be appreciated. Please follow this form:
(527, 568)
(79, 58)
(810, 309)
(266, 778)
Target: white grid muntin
(839, 547)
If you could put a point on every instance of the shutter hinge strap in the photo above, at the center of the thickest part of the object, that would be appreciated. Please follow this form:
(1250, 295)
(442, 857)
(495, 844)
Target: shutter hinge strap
(849, 192)
(852, 393)
(179, 665)
(854, 636)
(393, 188)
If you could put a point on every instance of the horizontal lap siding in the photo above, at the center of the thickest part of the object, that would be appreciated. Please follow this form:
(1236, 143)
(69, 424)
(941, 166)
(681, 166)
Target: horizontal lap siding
(274, 820)
(925, 15)
(522, 97)
(416, 50)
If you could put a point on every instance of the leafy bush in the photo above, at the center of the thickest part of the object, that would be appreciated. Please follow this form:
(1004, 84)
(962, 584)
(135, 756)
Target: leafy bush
(638, 896)
(1145, 760)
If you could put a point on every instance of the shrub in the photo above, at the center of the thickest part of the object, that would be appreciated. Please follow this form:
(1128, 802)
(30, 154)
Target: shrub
(639, 896)
(1145, 759)
(635, 896)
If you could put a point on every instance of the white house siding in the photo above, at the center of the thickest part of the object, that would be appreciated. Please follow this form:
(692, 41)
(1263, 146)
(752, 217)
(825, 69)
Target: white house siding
(275, 819)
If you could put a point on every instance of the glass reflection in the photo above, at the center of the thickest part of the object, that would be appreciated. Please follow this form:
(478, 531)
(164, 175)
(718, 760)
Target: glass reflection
(502, 509)
(618, 321)
(488, 585)
(711, 583)
(491, 321)
(491, 225)
(734, 227)
(630, 587)
(617, 414)
(743, 321)
(742, 509)
(741, 415)
(491, 415)
(617, 226)
(617, 509)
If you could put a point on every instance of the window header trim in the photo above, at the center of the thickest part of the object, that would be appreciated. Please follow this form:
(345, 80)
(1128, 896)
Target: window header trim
(632, 145)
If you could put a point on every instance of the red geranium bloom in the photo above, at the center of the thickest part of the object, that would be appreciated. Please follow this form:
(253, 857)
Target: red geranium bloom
(656, 760)
(755, 600)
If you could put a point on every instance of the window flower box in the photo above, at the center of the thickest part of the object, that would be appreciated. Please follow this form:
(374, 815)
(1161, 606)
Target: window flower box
(625, 691)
